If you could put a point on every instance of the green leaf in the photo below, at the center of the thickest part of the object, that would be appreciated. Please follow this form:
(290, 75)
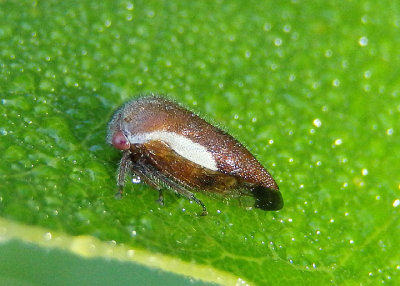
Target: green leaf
(311, 88)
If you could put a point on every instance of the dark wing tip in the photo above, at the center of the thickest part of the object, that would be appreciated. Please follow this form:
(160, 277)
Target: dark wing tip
(268, 199)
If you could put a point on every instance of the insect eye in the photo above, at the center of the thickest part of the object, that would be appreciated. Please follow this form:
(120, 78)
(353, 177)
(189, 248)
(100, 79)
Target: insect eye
(120, 141)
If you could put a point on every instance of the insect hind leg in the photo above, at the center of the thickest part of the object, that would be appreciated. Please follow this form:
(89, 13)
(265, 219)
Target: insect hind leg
(184, 192)
(156, 179)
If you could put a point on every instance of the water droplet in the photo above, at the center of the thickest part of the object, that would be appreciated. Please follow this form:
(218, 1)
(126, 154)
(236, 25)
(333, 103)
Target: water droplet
(336, 82)
(47, 236)
(367, 87)
(315, 85)
(317, 122)
(240, 281)
(364, 172)
(396, 203)
(328, 53)
(389, 131)
(278, 42)
(267, 27)
(338, 142)
(363, 41)
(287, 28)
(136, 180)
(151, 14)
(364, 19)
(367, 74)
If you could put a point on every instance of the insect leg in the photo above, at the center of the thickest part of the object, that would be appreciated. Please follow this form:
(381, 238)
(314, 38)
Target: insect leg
(160, 197)
(184, 192)
(155, 179)
(123, 169)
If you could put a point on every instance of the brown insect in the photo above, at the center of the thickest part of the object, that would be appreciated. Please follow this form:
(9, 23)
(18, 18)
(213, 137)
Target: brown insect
(166, 145)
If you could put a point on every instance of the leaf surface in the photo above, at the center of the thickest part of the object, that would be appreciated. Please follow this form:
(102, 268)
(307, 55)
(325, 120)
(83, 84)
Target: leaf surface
(311, 88)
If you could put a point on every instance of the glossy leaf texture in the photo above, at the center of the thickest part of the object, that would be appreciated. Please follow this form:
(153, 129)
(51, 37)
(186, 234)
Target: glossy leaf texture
(310, 87)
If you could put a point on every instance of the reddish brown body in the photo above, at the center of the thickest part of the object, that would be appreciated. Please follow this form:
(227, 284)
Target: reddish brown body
(165, 144)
